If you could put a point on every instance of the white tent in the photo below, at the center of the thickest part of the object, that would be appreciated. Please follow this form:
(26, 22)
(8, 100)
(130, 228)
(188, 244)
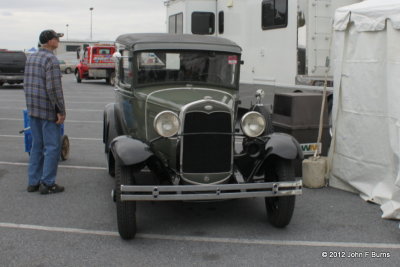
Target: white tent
(365, 149)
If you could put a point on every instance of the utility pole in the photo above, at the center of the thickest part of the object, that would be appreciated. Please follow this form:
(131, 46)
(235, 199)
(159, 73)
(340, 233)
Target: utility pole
(91, 23)
(67, 30)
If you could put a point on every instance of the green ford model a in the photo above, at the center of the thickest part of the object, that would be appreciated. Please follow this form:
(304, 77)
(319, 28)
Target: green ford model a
(176, 113)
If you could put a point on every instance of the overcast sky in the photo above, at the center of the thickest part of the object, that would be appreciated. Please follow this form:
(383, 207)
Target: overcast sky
(22, 20)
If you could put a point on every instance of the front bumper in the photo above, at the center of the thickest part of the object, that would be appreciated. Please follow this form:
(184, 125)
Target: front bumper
(11, 77)
(209, 192)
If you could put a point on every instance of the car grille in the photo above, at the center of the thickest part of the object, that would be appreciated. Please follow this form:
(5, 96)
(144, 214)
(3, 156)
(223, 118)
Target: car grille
(11, 70)
(207, 142)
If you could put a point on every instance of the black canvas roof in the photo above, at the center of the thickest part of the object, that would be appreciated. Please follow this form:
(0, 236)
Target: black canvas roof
(149, 41)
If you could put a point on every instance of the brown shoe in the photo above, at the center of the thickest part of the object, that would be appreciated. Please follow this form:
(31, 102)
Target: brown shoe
(50, 189)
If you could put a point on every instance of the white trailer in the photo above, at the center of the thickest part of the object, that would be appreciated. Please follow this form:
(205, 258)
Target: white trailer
(285, 43)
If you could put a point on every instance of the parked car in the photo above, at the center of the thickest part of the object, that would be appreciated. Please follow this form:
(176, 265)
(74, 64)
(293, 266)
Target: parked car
(176, 112)
(12, 67)
(67, 67)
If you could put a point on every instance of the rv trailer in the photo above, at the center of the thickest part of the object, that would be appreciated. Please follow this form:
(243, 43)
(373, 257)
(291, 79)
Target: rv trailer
(286, 44)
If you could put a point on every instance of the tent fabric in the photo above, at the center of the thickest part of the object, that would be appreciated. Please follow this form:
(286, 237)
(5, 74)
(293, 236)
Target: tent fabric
(365, 148)
(368, 15)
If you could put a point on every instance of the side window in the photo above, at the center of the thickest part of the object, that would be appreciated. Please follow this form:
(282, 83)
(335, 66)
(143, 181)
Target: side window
(172, 24)
(125, 68)
(203, 23)
(179, 23)
(175, 23)
(221, 22)
(274, 14)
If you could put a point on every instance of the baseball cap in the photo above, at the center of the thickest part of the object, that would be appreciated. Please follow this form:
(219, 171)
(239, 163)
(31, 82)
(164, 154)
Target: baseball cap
(47, 35)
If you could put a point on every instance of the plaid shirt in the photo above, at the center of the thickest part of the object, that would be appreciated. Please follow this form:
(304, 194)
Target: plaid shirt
(42, 86)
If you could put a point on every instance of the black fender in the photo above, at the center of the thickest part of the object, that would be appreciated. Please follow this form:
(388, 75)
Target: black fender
(284, 146)
(110, 130)
(130, 151)
(277, 144)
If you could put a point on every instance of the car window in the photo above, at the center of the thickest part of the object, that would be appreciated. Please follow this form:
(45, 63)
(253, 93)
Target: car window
(104, 51)
(125, 69)
(199, 67)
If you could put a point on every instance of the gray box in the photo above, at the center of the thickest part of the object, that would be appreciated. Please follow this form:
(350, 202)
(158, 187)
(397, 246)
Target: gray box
(298, 114)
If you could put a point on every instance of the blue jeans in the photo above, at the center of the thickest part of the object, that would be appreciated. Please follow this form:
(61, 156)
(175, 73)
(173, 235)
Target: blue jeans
(45, 152)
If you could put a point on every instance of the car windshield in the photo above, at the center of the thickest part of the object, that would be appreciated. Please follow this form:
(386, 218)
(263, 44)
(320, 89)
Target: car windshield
(197, 67)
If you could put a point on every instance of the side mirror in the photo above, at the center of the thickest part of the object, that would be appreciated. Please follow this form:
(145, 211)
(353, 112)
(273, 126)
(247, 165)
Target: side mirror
(117, 56)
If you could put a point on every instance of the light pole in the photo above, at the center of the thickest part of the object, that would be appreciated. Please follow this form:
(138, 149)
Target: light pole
(91, 23)
(67, 30)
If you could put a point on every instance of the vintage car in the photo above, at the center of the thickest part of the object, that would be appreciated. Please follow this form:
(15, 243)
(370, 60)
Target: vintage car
(12, 67)
(176, 113)
(67, 67)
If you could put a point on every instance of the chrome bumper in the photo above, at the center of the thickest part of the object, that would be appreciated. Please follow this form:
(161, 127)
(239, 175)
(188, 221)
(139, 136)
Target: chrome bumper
(12, 77)
(209, 192)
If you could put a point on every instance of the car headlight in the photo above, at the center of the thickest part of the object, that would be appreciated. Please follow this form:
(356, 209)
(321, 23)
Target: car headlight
(166, 123)
(253, 124)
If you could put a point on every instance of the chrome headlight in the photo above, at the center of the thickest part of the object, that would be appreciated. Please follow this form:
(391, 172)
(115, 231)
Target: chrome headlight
(253, 124)
(167, 123)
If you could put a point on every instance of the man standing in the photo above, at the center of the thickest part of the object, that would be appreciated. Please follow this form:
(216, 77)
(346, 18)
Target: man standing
(46, 109)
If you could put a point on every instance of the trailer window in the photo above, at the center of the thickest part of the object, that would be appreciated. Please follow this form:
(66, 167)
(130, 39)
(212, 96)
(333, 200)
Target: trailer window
(203, 23)
(274, 14)
(175, 23)
(221, 22)
(72, 48)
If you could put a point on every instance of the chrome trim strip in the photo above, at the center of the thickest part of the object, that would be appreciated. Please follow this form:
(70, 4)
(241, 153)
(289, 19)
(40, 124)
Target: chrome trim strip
(209, 192)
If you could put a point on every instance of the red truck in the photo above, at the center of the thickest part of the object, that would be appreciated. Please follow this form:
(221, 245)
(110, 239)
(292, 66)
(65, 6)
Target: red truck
(96, 63)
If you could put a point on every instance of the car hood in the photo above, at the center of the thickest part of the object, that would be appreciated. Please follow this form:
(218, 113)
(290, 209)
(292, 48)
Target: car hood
(176, 98)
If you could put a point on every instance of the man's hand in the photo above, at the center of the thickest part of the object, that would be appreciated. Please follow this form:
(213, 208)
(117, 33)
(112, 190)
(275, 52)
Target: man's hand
(60, 118)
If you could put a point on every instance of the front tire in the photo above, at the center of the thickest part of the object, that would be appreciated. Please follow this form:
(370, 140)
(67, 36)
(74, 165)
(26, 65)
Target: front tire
(111, 79)
(126, 210)
(68, 70)
(78, 77)
(279, 209)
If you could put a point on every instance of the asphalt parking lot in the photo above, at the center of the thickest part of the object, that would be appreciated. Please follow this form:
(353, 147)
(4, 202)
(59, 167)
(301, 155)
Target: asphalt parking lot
(79, 227)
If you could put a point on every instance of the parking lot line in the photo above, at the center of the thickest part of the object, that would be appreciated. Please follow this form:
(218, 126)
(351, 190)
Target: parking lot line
(60, 166)
(69, 102)
(70, 138)
(240, 241)
(68, 110)
(65, 166)
(69, 121)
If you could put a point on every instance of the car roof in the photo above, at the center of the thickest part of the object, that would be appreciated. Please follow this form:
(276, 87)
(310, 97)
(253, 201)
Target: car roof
(150, 41)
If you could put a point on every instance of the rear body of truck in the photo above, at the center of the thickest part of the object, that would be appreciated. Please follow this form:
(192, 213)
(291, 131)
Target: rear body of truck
(96, 63)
